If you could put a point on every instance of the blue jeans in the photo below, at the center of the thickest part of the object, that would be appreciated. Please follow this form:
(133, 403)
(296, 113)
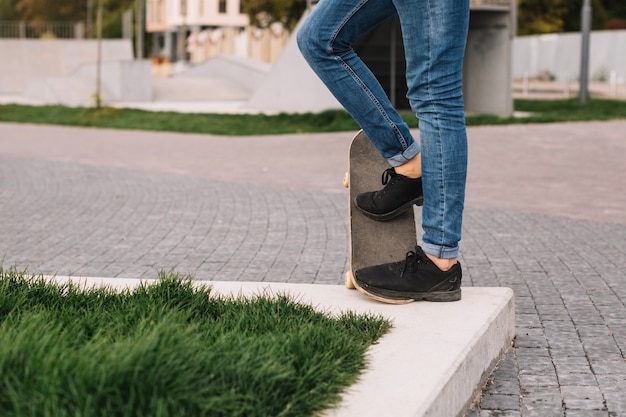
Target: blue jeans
(434, 34)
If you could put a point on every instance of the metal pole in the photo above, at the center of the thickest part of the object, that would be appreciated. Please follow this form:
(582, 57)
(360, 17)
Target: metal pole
(89, 34)
(585, 28)
(99, 57)
(139, 29)
(182, 33)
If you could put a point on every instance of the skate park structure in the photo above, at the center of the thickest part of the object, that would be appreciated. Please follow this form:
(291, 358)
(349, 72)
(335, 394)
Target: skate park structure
(55, 71)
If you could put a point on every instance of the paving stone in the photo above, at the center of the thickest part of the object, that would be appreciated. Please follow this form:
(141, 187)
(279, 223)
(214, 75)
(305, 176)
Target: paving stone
(582, 397)
(577, 378)
(588, 413)
(94, 216)
(500, 402)
(569, 364)
(499, 413)
(542, 411)
(609, 367)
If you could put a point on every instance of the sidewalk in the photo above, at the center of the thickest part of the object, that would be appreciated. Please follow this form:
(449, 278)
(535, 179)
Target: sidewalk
(546, 216)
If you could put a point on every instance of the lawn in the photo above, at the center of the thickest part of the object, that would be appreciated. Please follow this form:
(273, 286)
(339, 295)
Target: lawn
(171, 349)
(542, 111)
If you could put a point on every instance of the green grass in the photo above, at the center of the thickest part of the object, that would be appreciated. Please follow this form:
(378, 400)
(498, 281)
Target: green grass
(544, 111)
(217, 124)
(550, 111)
(170, 349)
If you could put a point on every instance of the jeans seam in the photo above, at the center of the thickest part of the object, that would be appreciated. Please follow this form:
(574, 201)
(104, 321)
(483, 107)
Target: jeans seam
(436, 120)
(374, 100)
(360, 82)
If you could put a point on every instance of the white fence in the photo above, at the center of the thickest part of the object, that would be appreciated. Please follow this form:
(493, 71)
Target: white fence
(39, 30)
(558, 56)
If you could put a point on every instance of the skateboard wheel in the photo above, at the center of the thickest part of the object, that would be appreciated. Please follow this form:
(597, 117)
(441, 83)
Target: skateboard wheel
(346, 180)
(349, 282)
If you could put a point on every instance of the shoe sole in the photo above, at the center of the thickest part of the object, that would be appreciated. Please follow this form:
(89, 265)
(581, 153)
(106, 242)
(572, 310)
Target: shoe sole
(397, 297)
(392, 214)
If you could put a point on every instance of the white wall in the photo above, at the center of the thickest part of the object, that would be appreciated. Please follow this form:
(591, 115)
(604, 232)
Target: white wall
(560, 55)
(64, 71)
(23, 60)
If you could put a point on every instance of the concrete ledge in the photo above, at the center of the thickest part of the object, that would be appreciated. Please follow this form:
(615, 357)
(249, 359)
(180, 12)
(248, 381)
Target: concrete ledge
(432, 363)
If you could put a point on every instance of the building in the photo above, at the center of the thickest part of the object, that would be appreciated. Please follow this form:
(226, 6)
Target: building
(178, 25)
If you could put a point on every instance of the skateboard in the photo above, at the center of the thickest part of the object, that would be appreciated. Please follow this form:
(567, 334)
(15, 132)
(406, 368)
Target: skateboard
(372, 242)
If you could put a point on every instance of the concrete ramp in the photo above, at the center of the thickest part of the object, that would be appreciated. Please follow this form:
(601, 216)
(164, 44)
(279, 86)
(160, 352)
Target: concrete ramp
(120, 81)
(125, 80)
(292, 86)
(63, 71)
(241, 71)
(62, 90)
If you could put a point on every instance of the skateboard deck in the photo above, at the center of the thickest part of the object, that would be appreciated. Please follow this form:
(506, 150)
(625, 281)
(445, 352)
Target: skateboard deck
(373, 242)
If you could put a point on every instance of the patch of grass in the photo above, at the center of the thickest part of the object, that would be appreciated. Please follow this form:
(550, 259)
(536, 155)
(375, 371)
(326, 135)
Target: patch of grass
(170, 349)
(550, 111)
(543, 111)
(217, 124)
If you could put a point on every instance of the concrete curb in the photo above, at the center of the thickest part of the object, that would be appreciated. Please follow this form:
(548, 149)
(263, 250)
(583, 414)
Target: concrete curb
(434, 361)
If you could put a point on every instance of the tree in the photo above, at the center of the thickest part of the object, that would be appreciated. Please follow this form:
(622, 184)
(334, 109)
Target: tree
(616, 12)
(7, 9)
(66, 11)
(51, 11)
(112, 18)
(545, 16)
(263, 13)
(572, 17)
(616, 9)
(541, 16)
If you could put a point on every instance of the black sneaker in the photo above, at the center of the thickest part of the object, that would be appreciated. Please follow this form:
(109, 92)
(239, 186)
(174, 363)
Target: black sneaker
(398, 196)
(416, 278)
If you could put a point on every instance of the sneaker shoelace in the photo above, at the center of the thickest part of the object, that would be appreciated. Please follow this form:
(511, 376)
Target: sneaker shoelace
(412, 258)
(388, 175)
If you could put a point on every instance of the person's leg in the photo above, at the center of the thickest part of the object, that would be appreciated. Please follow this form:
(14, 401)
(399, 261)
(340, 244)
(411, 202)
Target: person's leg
(434, 33)
(326, 40)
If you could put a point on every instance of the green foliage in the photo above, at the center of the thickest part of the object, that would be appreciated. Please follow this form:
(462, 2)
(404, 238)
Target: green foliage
(67, 11)
(541, 16)
(550, 111)
(220, 124)
(170, 349)
(50, 11)
(263, 13)
(112, 17)
(549, 16)
(7, 9)
(543, 111)
(616, 9)
(534, 16)
(599, 15)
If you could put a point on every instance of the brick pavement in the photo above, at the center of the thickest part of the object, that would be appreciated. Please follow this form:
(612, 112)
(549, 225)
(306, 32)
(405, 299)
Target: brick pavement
(126, 204)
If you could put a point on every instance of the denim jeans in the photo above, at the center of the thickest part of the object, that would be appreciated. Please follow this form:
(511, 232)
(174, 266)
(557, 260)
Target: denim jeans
(434, 33)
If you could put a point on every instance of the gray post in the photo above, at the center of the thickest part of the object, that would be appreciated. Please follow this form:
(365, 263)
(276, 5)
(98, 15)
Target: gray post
(89, 33)
(182, 32)
(79, 30)
(585, 29)
(139, 29)
(127, 24)
(168, 45)
(99, 56)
